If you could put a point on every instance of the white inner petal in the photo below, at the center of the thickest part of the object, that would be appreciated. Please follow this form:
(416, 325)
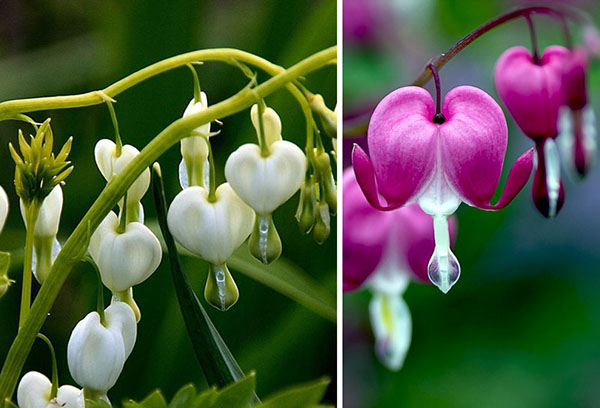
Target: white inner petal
(552, 174)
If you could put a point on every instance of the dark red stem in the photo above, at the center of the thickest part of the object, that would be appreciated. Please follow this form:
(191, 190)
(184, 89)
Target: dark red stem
(438, 118)
(534, 45)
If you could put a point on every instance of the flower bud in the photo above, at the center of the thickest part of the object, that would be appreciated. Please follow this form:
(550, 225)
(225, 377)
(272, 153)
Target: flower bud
(328, 116)
(322, 228)
(124, 258)
(45, 244)
(325, 176)
(271, 124)
(3, 208)
(305, 214)
(220, 290)
(34, 392)
(111, 165)
(210, 229)
(264, 243)
(97, 350)
(196, 107)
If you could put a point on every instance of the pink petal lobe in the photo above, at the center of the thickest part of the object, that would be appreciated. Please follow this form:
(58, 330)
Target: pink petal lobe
(365, 177)
(517, 178)
(533, 93)
(473, 142)
(365, 234)
(402, 143)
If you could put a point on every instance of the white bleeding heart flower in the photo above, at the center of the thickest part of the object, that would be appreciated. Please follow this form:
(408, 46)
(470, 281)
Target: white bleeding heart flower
(3, 208)
(97, 352)
(194, 149)
(34, 392)
(211, 230)
(124, 258)
(110, 165)
(271, 124)
(265, 183)
(45, 244)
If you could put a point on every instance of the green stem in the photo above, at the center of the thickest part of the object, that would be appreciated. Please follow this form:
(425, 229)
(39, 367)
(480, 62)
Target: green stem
(197, 89)
(212, 177)
(76, 246)
(123, 221)
(100, 298)
(113, 117)
(262, 140)
(54, 389)
(31, 214)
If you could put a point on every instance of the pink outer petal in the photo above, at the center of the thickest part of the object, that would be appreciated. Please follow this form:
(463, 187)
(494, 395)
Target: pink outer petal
(532, 93)
(402, 143)
(473, 142)
(574, 79)
(365, 234)
(517, 178)
(365, 176)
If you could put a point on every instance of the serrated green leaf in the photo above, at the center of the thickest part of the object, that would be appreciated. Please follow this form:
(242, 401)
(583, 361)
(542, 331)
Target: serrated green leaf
(218, 364)
(237, 395)
(184, 397)
(99, 404)
(299, 396)
(154, 400)
(205, 399)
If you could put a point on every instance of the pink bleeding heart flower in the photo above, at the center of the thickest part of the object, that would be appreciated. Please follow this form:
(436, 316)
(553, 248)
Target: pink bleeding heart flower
(533, 92)
(577, 121)
(438, 162)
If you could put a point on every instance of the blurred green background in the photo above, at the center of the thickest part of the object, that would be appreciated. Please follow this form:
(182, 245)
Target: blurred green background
(68, 46)
(522, 326)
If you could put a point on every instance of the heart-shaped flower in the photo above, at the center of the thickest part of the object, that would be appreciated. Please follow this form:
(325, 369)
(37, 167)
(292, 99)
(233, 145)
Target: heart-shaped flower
(533, 91)
(111, 165)
(211, 230)
(438, 165)
(97, 350)
(264, 183)
(124, 258)
(35, 389)
(45, 244)
(194, 149)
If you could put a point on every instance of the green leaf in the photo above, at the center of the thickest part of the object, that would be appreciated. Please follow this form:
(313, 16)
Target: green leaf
(184, 397)
(300, 396)
(237, 395)
(288, 279)
(103, 404)
(154, 400)
(9, 404)
(205, 399)
(218, 364)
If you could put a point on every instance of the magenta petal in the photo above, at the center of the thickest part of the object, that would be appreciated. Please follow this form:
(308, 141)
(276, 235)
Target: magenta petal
(365, 176)
(533, 93)
(402, 143)
(473, 143)
(517, 178)
(365, 233)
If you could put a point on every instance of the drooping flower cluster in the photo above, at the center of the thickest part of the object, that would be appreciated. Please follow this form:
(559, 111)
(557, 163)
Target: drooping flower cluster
(384, 251)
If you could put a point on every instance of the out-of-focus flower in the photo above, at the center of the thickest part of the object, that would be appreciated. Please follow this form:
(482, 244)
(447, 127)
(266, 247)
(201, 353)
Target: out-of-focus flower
(35, 388)
(533, 92)
(438, 165)
(383, 251)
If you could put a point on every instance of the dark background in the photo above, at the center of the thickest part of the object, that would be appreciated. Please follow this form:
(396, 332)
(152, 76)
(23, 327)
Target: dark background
(522, 326)
(55, 47)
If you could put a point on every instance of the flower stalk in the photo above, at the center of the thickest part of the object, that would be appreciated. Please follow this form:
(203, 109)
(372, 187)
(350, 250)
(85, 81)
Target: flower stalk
(32, 211)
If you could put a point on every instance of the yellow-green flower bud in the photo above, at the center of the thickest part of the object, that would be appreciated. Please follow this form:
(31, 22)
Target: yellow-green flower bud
(322, 227)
